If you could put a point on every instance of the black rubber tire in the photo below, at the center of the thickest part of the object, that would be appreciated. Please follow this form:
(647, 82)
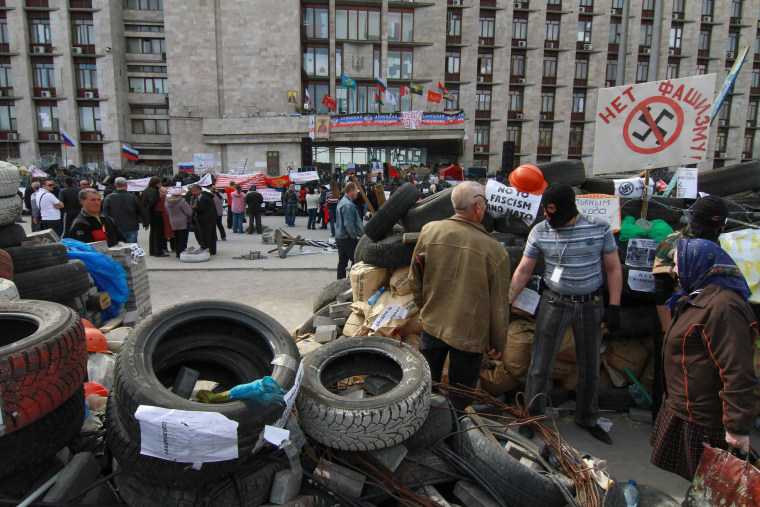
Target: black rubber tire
(255, 486)
(40, 440)
(507, 224)
(10, 210)
(43, 359)
(391, 211)
(488, 222)
(6, 265)
(615, 398)
(372, 423)
(308, 327)
(662, 208)
(10, 179)
(330, 291)
(390, 252)
(12, 235)
(731, 179)
(570, 172)
(33, 257)
(509, 239)
(635, 321)
(650, 496)
(515, 256)
(8, 290)
(430, 209)
(229, 343)
(634, 296)
(59, 284)
(599, 186)
(513, 481)
(439, 423)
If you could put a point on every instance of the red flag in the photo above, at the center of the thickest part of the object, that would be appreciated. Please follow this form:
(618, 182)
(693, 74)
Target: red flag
(329, 102)
(403, 91)
(434, 97)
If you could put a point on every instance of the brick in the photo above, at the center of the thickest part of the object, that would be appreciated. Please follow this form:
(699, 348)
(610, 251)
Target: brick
(285, 486)
(39, 237)
(345, 297)
(326, 334)
(345, 480)
(377, 385)
(391, 457)
(321, 320)
(340, 310)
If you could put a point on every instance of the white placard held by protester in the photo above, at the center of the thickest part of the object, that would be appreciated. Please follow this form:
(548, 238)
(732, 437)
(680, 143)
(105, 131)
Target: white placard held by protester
(508, 200)
(390, 312)
(205, 181)
(744, 248)
(186, 436)
(602, 206)
(653, 124)
(632, 187)
(527, 301)
(303, 177)
(687, 183)
(641, 252)
(137, 185)
(641, 281)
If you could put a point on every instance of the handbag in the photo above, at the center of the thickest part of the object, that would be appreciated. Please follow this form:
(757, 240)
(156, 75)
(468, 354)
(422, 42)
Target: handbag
(723, 479)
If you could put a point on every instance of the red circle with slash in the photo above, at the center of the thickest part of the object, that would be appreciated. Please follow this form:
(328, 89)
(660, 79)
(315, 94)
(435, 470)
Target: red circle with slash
(642, 109)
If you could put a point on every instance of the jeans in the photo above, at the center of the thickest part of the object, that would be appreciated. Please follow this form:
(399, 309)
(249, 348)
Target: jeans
(346, 247)
(332, 210)
(464, 367)
(554, 315)
(312, 223)
(237, 221)
(291, 209)
(130, 237)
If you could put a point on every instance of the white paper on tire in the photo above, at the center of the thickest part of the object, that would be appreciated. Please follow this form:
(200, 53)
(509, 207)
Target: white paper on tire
(186, 436)
(641, 281)
(390, 312)
(289, 398)
(527, 301)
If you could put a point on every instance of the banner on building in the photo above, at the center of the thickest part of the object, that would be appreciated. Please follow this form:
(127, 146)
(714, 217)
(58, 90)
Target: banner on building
(303, 177)
(392, 119)
(322, 128)
(654, 124)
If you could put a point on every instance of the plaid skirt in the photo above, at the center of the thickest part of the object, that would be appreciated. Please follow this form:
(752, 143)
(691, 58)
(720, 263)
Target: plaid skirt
(677, 444)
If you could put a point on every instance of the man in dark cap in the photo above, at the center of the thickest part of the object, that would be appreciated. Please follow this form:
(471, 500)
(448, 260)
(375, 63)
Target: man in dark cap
(575, 249)
(707, 220)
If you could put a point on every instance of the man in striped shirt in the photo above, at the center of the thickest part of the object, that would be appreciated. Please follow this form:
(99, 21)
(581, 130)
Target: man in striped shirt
(575, 249)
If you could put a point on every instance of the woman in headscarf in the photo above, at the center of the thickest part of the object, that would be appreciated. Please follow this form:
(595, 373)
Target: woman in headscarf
(179, 211)
(707, 357)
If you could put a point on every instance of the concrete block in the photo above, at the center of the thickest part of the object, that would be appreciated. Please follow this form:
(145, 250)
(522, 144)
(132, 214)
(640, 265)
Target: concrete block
(341, 321)
(473, 495)
(326, 334)
(391, 457)
(354, 393)
(345, 480)
(285, 486)
(345, 297)
(639, 415)
(338, 310)
(79, 473)
(531, 465)
(100, 247)
(320, 320)
(433, 494)
(39, 237)
(377, 385)
(299, 501)
(516, 451)
(185, 381)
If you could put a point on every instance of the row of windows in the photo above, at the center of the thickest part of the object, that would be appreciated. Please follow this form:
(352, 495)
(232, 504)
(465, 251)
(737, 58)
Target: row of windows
(358, 24)
(146, 46)
(316, 61)
(148, 85)
(47, 118)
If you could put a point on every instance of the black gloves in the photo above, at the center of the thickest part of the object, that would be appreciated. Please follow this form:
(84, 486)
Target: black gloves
(611, 319)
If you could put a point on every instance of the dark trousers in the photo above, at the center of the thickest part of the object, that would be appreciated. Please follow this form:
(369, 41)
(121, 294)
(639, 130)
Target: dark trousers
(332, 210)
(254, 217)
(464, 367)
(346, 247)
(56, 225)
(321, 215)
(68, 219)
(208, 235)
(220, 228)
(156, 239)
(180, 241)
(229, 217)
(312, 223)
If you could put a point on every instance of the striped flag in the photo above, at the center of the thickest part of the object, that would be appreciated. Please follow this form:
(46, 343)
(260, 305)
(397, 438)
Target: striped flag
(446, 94)
(129, 152)
(67, 139)
(378, 100)
(415, 89)
(381, 86)
(307, 101)
(403, 91)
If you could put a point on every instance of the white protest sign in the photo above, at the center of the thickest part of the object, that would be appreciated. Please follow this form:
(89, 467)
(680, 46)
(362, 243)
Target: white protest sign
(508, 200)
(527, 301)
(137, 185)
(390, 312)
(744, 248)
(641, 252)
(641, 281)
(654, 124)
(270, 194)
(205, 181)
(632, 187)
(303, 177)
(602, 206)
(687, 183)
(186, 436)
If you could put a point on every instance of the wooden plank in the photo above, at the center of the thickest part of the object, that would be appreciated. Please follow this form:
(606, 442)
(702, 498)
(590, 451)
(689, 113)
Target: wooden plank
(364, 196)
(380, 195)
(111, 324)
(289, 247)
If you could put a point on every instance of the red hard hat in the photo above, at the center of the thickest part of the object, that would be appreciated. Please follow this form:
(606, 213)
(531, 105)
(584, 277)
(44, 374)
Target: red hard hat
(528, 178)
(95, 388)
(96, 341)
(87, 324)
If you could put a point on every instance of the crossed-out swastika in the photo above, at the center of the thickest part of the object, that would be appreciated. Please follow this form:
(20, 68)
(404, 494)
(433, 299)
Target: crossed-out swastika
(669, 109)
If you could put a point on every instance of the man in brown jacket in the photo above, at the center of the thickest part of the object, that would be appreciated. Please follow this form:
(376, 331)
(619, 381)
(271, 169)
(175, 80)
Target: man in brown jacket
(460, 281)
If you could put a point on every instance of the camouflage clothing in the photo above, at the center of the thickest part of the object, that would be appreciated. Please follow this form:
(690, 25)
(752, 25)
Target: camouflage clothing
(664, 263)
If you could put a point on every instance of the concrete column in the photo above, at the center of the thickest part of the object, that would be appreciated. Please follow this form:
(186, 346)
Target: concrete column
(68, 110)
(26, 116)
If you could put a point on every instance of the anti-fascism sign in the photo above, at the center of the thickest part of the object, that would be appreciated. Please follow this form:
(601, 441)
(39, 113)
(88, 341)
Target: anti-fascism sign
(654, 124)
(508, 200)
(744, 248)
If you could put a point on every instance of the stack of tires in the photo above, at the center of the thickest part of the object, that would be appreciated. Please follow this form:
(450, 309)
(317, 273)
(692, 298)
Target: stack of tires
(226, 343)
(43, 360)
(11, 233)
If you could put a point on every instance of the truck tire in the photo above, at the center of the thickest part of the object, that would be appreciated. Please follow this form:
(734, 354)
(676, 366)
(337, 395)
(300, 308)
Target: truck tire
(11, 235)
(59, 284)
(438, 424)
(569, 172)
(33, 257)
(8, 290)
(731, 179)
(507, 224)
(659, 208)
(10, 179)
(391, 211)
(372, 423)
(43, 360)
(331, 291)
(599, 186)
(6, 265)
(390, 252)
(10, 210)
(433, 207)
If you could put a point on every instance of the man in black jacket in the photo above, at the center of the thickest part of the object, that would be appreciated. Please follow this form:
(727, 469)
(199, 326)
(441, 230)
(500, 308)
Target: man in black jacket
(90, 225)
(150, 198)
(126, 210)
(71, 206)
(205, 211)
(253, 202)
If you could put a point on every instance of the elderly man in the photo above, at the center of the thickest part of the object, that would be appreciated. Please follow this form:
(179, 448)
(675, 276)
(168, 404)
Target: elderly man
(126, 210)
(205, 211)
(460, 281)
(90, 225)
(348, 227)
(575, 248)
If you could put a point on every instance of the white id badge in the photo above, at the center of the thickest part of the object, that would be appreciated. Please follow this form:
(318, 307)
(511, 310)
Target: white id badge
(557, 274)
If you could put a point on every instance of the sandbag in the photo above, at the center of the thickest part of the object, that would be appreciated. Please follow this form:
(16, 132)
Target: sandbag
(366, 279)
(630, 353)
(414, 326)
(355, 325)
(413, 340)
(392, 326)
(495, 379)
(519, 341)
(400, 281)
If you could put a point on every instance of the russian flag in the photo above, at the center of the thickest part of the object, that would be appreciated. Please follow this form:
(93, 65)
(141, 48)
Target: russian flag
(307, 102)
(129, 153)
(381, 86)
(67, 139)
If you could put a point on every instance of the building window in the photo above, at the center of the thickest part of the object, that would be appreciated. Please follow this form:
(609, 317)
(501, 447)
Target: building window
(552, 29)
(146, 46)
(7, 118)
(47, 117)
(676, 34)
(39, 30)
(550, 67)
(581, 69)
(93, 153)
(724, 114)
(361, 99)
(579, 102)
(576, 139)
(150, 126)
(517, 65)
(732, 42)
(482, 136)
(707, 7)
(678, 7)
(642, 71)
(610, 74)
(615, 28)
(454, 26)
(671, 72)
(452, 62)
(401, 26)
(6, 76)
(89, 118)
(152, 69)
(402, 103)
(376, 62)
(144, 28)
(547, 102)
(83, 31)
(584, 31)
(452, 104)
(755, 80)
(43, 72)
(400, 64)
(357, 24)
(516, 100)
(545, 136)
(316, 61)
(514, 134)
(87, 75)
(152, 111)
(4, 30)
(645, 35)
(317, 92)
(485, 27)
(148, 85)
(721, 140)
(647, 5)
(483, 100)
(520, 28)
(315, 22)
(704, 40)
(752, 111)
(485, 64)
(701, 69)
(618, 4)
(736, 8)
(749, 144)
(144, 5)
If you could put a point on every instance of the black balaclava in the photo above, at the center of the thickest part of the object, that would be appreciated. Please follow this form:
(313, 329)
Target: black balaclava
(708, 216)
(563, 198)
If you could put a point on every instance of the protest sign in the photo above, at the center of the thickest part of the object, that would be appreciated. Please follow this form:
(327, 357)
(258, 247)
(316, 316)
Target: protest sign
(508, 200)
(303, 177)
(641, 252)
(687, 183)
(641, 281)
(744, 248)
(632, 187)
(601, 206)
